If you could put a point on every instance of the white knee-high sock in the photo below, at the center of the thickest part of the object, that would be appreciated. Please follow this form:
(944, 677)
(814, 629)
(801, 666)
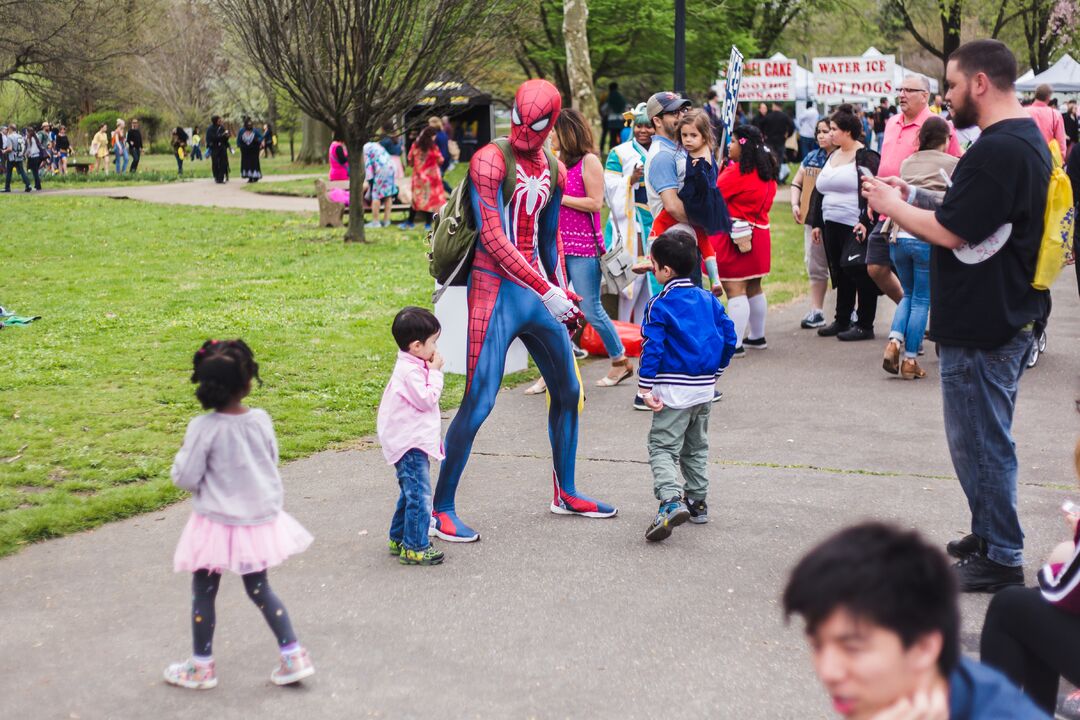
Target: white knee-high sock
(758, 307)
(739, 311)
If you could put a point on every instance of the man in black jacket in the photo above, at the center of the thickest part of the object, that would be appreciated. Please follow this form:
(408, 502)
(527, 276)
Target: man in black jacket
(135, 144)
(777, 126)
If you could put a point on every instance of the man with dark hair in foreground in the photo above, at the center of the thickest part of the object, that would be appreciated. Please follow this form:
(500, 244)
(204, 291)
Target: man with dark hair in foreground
(883, 623)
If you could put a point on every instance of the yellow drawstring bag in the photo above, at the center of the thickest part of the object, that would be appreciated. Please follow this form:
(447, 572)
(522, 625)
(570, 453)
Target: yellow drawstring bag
(1058, 221)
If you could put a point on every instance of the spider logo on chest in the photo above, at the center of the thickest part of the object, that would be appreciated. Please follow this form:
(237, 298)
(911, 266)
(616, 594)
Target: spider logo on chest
(535, 191)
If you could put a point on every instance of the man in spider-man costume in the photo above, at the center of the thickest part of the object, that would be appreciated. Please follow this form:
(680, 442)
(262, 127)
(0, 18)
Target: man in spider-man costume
(517, 290)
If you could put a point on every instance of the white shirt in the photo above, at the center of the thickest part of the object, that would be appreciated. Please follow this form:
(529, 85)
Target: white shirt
(680, 397)
(807, 122)
(839, 188)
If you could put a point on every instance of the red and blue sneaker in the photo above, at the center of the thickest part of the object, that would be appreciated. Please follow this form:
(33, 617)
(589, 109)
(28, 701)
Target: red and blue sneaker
(448, 526)
(566, 504)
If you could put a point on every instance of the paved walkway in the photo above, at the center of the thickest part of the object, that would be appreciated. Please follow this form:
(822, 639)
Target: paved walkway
(206, 192)
(548, 616)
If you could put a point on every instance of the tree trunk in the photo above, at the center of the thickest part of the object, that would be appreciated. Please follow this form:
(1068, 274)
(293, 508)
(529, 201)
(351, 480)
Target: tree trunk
(578, 65)
(315, 143)
(354, 144)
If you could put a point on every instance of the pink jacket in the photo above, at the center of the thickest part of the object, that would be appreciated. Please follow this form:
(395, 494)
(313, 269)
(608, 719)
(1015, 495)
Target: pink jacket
(337, 170)
(409, 415)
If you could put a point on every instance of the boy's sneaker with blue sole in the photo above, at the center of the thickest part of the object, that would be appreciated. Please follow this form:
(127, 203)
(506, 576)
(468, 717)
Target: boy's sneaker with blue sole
(671, 514)
(699, 510)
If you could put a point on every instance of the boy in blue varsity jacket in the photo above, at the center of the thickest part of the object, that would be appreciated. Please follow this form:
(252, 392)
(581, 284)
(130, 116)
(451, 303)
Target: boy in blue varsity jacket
(688, 340)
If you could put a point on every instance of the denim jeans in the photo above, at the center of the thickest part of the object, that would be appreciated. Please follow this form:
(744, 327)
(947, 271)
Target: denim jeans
(584, 273)
(911, 258)
(15, 165)
(978, 389)
(122, 158)
(412, 517)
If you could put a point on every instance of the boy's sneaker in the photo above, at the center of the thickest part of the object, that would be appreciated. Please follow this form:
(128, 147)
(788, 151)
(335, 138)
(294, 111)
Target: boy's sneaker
(671, 515)
(717, 395)
(699, 510)
(294, 667)
(755, 343)
(813, 319)
(639, 403)
(192, 675)
(427, 556)
(394, 547)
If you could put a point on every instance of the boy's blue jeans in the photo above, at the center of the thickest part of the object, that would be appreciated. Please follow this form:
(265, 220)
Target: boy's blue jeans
(978, 389)
(911, 258)
(412, 518)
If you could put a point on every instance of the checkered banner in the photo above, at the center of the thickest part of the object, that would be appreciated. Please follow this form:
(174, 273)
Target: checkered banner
(731, 94)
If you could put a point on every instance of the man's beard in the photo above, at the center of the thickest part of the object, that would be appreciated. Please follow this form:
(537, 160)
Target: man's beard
(965, 116)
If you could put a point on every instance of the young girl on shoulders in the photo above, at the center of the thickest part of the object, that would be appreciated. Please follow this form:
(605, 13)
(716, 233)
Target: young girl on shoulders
(229, 464)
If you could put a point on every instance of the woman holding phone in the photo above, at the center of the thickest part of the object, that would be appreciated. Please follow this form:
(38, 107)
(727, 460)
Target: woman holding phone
(841, 221)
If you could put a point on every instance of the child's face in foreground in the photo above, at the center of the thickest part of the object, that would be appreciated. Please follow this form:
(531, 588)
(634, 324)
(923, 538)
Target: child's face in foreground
(692, 139)
(663, 273)
(425, 350)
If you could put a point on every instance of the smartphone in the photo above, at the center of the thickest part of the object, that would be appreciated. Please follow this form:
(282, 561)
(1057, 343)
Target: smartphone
(865, 172)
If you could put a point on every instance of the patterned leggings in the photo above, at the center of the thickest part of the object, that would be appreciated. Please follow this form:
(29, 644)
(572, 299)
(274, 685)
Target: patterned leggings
(204, 587)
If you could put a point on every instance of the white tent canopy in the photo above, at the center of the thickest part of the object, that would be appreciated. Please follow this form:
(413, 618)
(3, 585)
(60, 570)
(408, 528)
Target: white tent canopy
(1062, 76)
(805, 84)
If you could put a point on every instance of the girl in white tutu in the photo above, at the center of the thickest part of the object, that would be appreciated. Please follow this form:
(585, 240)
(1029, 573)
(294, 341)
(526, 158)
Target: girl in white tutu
(229, 464)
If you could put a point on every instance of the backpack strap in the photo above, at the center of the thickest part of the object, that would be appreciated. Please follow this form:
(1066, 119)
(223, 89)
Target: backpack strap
(511, 167)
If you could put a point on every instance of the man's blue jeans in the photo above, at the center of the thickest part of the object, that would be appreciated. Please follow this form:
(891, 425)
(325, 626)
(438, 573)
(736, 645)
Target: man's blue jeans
(412, 518)
(978, 388)
(584, 273)
(911, 258)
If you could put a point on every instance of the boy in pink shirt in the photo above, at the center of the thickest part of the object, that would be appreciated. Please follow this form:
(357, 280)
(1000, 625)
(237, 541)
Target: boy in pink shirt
(410, 431)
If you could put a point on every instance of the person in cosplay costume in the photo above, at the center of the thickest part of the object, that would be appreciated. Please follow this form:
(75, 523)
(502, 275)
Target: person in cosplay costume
(517, 289)
(625, 192)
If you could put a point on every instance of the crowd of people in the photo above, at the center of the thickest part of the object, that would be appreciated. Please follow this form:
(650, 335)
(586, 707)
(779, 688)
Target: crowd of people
(40, 152)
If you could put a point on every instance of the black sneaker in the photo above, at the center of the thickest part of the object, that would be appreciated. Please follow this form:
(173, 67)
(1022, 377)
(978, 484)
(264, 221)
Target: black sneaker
(671, 514)
(739, 352)
(856, 332)
(578, 352)
(639, 403)
(699, 510)
(833, 329)
(970, 544)
(717, 395)
(978, 573)
(755, 344)
(814, 319)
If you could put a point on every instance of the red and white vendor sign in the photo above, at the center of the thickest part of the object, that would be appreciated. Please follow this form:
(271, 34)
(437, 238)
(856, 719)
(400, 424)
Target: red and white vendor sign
(854, 76)
(768, 80)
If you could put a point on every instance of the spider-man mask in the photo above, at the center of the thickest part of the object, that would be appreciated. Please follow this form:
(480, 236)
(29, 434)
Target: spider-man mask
(536, 107)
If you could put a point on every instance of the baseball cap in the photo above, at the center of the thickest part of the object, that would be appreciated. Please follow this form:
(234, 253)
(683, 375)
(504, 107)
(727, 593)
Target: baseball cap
(665, 101)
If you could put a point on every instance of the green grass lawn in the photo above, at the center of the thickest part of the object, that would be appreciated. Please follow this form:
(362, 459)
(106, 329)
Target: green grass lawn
(95, 396)
(162, 168)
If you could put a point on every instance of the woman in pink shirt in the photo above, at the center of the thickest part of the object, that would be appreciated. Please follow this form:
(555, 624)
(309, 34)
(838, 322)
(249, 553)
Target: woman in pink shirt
(579, 230)
(410, 432)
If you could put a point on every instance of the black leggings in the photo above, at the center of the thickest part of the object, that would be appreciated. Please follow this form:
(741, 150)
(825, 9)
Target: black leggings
(424, 216)
(851, 281)
(204, 587)
(1032, 642)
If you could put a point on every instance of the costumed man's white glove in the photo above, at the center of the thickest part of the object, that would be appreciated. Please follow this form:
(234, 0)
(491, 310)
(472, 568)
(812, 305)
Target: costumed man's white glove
(560, 306)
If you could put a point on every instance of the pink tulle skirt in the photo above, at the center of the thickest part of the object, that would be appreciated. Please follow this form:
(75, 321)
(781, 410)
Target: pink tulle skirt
(338, 195)
(209, 545)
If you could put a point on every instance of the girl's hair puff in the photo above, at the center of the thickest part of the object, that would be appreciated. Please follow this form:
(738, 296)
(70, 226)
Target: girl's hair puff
(700, 122)
(753, 155)
(223, 369)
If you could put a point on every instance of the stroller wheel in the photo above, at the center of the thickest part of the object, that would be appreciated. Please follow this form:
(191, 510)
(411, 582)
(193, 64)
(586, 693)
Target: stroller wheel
(1033, 359)
(1042, 342)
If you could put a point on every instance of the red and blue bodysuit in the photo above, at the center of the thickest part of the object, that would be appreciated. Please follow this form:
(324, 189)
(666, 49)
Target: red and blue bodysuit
(517, 290)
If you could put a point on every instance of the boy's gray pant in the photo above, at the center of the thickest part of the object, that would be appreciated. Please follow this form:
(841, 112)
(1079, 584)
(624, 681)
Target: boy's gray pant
(680, 438)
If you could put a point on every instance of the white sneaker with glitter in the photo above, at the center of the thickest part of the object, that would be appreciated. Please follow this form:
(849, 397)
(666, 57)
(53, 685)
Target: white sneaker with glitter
(294, 667)
(192, 675)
